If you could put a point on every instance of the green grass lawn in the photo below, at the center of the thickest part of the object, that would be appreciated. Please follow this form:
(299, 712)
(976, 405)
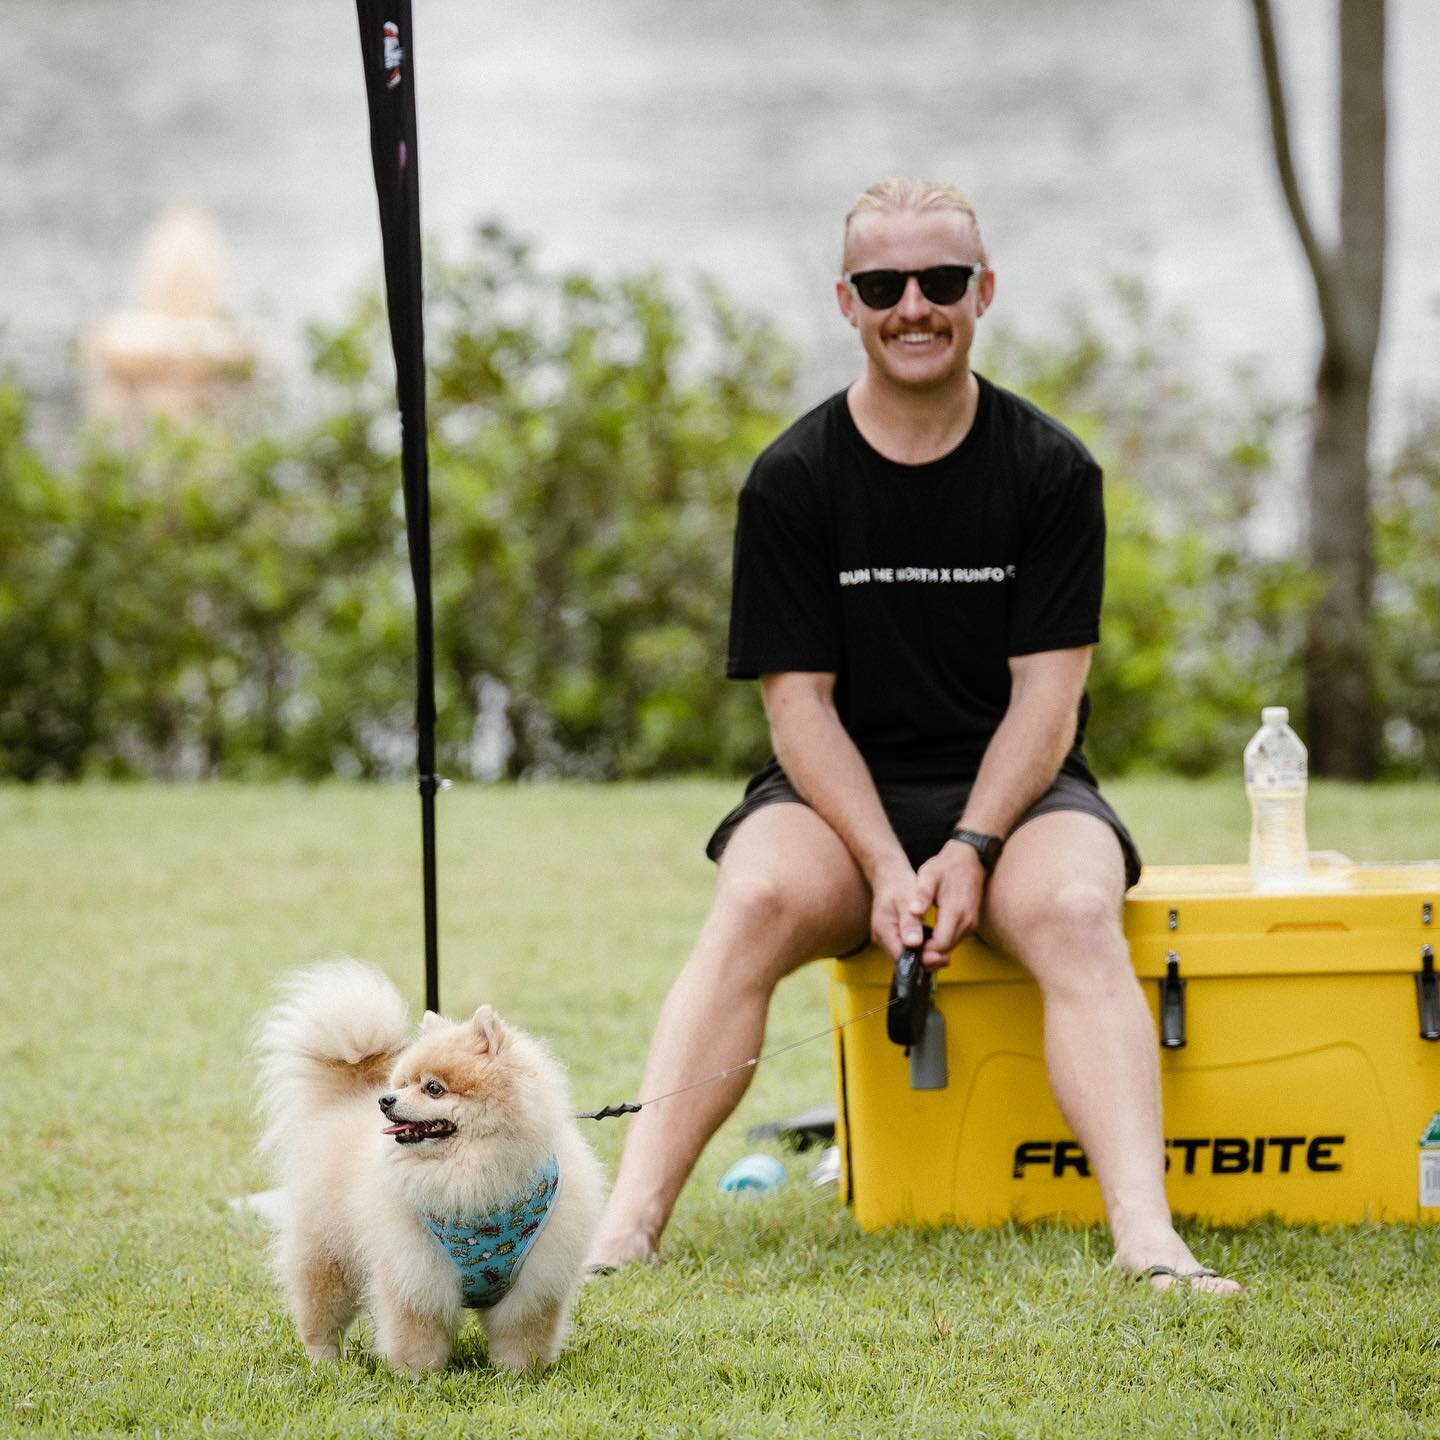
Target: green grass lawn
(140, 929)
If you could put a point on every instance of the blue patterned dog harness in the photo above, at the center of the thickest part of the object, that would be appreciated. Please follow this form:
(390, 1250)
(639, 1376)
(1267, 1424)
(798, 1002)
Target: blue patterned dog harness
(489, 1251)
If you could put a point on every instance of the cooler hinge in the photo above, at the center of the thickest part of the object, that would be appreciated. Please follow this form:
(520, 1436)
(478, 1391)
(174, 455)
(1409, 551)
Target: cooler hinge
(1172, 1004)
(1427, 995)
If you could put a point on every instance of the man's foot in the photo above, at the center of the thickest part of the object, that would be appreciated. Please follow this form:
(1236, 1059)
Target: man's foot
(1166, 1263)
(1166, 1277)
(612, 1250)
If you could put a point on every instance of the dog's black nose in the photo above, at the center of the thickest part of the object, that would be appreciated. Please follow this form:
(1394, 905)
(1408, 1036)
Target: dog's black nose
(387, 1103)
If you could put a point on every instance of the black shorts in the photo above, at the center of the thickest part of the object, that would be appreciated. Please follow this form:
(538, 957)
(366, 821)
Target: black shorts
(923, 814)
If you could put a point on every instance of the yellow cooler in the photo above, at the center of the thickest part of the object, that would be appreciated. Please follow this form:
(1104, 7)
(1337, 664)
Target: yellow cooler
(1300, 1062)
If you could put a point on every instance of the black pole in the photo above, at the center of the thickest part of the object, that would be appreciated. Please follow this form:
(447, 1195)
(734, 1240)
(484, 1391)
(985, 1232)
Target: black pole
(387, 45)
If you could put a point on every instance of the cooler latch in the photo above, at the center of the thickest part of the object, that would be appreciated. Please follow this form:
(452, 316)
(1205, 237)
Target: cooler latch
(1427, 994)
(1172, 1004)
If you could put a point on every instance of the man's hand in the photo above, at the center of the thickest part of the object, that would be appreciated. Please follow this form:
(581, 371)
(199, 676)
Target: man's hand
(894, 925)
(953, 881)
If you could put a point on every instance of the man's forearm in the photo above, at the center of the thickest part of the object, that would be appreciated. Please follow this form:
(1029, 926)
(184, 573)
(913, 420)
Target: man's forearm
(1027, 749)
(828, 771)
(1019, 766)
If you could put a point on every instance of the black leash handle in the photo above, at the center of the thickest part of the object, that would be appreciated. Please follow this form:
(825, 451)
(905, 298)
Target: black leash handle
(909, 997)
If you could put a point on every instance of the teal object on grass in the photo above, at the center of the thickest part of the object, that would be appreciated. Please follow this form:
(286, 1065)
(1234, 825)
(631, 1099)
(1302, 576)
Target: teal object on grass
(754, 1172)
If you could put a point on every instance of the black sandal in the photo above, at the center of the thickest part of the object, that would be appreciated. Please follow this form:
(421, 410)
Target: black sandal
(1203, 1273)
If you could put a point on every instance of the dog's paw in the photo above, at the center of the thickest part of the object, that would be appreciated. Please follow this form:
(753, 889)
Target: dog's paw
(322, 1352)
(532, 1345)
(426, 1366)
(418, 1354)
(411, 1364)
(513, 1352)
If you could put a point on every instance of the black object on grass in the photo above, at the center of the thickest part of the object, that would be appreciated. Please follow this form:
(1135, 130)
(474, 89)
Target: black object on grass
(815, 1126)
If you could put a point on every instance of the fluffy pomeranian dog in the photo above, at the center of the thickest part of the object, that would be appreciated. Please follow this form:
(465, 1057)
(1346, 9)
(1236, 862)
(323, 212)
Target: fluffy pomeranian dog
(421, 1174)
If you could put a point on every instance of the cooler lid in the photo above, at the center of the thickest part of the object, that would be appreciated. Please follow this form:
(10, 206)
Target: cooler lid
(1348, 918)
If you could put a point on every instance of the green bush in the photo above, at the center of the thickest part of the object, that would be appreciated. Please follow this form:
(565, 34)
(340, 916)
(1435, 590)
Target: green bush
(155, 608)
(242, 605)
(588, 440)
(1406, 619)
(1200, 627)
(214, 606)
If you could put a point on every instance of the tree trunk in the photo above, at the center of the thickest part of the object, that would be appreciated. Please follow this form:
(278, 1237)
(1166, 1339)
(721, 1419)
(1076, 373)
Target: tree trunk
(1341, 715)
(1340, 704)
(1339, 700)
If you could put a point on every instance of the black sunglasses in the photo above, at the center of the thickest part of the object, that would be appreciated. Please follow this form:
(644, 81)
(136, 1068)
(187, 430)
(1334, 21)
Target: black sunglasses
(940, 284)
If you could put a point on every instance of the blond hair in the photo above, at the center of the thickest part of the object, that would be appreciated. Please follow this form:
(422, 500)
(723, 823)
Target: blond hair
(899, 194)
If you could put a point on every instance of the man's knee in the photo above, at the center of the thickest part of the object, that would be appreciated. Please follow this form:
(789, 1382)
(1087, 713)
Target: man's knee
(755, 935)
(1077, 908)
(787, 883)
(1085, 911)
(771, 915)
(1070, 937)
(751, 898)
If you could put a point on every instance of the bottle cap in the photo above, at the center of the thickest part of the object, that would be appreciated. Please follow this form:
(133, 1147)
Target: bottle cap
(1275, 715)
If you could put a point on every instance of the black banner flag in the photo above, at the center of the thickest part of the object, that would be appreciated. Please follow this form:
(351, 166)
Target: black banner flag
(387, 45)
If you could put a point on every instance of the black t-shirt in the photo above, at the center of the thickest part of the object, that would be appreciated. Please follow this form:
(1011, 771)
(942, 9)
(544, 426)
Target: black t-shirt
(915, 584)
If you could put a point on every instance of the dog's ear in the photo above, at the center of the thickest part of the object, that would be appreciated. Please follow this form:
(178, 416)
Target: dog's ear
(488, 1029)
(429, 1020)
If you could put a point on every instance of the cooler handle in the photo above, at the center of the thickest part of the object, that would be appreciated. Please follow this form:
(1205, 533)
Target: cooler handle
(1172, 1005)
(1427, 995)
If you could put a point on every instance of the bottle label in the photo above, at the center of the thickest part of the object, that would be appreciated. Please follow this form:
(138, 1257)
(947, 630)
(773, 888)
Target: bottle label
(1275, 777)
(1430, 1179)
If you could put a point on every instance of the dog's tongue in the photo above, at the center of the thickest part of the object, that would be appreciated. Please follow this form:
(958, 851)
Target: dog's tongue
(399, 1129)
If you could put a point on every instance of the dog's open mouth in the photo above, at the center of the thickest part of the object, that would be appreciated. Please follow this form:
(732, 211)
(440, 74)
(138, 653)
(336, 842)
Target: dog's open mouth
(411, 1132)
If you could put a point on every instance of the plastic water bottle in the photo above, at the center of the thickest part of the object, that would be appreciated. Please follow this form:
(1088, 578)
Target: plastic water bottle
(1275, 780)
(754, 1172)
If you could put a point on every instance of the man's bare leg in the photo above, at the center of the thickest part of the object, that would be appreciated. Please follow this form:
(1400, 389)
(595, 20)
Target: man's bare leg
(788, 892)
(1055, 903)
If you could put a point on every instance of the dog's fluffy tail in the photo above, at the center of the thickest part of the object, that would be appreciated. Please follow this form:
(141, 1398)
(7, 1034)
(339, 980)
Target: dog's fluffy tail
(334, 1036)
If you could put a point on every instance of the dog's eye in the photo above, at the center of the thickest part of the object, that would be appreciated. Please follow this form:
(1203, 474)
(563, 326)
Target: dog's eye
(435, 1088)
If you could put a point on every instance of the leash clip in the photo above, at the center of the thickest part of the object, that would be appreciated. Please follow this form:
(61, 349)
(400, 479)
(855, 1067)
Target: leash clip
(609, 1112)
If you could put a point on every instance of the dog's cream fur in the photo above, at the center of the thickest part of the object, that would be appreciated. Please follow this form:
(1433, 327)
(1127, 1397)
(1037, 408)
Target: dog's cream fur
(351, 1232)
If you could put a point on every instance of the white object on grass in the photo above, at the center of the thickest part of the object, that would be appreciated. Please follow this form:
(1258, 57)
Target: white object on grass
(827, 1170)
(268, 1204)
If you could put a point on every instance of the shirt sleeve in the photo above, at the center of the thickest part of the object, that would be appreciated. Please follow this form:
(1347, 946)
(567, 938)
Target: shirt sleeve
(1060, 579)
(783, 606)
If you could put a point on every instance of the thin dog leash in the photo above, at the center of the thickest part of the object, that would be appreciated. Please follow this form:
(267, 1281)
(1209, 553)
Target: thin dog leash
(633, 1107)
